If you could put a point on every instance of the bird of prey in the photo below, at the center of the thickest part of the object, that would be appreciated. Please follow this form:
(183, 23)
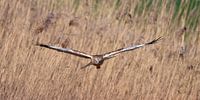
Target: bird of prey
(97, 60)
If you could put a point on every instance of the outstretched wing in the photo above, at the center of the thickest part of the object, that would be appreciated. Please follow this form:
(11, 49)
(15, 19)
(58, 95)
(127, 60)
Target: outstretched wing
(133, 47)
(66, 50)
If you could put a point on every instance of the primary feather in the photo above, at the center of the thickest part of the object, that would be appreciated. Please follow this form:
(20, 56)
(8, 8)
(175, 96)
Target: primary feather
(133, 47)
(66, 50)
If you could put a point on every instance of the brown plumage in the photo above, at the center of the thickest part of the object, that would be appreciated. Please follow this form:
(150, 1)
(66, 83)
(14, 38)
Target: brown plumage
(97, 60)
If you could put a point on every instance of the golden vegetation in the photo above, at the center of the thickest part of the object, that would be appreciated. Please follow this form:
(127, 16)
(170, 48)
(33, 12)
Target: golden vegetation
(154, 72)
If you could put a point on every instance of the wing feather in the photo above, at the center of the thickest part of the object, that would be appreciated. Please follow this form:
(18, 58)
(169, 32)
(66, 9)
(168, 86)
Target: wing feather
(66, 50)
(133, 47)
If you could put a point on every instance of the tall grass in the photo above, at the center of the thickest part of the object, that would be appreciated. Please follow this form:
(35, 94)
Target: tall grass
(160, 71)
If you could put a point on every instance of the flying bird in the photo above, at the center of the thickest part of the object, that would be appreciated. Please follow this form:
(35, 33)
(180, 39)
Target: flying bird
(97, 60)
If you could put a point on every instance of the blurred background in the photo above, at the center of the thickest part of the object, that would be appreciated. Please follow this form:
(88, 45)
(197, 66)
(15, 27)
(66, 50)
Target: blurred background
(169, 69)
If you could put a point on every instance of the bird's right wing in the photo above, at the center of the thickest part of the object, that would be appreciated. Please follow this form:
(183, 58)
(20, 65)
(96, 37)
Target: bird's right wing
(66, 50)
(133, 47)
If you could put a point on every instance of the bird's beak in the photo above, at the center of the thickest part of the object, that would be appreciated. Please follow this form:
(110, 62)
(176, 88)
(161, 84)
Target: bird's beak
(86, 65)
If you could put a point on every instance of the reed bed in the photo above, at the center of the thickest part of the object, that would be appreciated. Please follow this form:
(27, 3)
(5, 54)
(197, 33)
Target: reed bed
(169, 69)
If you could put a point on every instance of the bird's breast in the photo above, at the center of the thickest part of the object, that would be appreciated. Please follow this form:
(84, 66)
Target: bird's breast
(97, 60)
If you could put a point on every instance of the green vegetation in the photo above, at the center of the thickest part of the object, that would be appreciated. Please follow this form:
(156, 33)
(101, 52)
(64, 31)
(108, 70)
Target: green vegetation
(169, 69)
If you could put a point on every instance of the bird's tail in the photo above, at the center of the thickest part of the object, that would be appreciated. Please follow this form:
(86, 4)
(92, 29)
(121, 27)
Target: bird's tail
(86, 65)
(153, 41)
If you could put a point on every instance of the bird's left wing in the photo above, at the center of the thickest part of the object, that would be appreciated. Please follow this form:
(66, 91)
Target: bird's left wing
(66, 50)
(133, 47)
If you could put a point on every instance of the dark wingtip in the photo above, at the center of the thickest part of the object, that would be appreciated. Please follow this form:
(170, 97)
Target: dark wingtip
(41, 45)
(154, 41)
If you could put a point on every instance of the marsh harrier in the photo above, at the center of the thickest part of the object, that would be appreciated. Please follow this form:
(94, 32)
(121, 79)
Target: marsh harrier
(97, 60)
